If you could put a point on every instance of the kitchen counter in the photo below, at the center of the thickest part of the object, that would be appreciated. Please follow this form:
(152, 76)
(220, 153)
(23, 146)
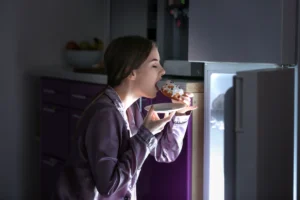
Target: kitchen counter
(68, 74)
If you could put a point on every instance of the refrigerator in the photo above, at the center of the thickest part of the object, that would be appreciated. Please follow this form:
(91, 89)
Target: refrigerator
(248, 131)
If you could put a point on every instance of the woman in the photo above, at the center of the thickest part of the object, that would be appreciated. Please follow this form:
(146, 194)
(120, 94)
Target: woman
(112, 139)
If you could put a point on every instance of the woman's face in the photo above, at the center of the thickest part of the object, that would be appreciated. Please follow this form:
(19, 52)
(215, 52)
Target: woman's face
(147, 76)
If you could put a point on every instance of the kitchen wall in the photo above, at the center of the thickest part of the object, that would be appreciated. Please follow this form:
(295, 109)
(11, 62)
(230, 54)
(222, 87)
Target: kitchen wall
(128, 17)
(33, 34)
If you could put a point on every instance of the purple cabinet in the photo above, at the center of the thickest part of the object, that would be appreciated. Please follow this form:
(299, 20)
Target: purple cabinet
(160, 98)
(74, 116)
(162, 181)
(81, 94)
(63, 102)
(50, 169)
(54, 131)
(55, 91)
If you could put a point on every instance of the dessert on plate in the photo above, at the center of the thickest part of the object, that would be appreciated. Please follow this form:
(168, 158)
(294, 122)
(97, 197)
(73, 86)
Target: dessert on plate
(171, 90)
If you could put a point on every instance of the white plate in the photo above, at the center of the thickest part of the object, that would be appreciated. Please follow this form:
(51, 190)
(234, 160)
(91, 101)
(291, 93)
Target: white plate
(165, 107)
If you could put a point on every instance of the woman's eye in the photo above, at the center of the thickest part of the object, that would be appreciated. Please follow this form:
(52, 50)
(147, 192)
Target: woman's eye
(154, 66)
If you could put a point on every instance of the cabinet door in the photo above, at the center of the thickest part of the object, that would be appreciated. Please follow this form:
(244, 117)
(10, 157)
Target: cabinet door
(128, 18)
(50, 170)
(81, 94)
(55, 91)
(260, 31)
(54, 131)
(162, 181)
(74, 117)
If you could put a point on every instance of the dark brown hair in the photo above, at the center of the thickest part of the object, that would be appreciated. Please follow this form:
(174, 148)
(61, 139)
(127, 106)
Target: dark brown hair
(123, 55)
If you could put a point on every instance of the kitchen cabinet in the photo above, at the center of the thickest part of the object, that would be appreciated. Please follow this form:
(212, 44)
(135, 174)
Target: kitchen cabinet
(173, 180)
(50, 169)
(259, 31)
(74, 116)
(168, 180)
(54, 131)
(62, 104)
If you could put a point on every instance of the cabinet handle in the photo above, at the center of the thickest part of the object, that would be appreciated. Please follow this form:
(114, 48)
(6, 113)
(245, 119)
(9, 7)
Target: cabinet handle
(49, 110)
(52, 162)
(76, 116)
(78, 96)
(238, 82)
(49, 91)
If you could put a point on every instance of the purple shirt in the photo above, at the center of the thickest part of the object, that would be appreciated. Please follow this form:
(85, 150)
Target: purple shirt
(110, 149)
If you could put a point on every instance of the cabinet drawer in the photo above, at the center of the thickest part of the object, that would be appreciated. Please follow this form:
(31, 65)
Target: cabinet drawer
(81, 94)
(55, 91)
(55, 131)
(50, 171)
(74, 117)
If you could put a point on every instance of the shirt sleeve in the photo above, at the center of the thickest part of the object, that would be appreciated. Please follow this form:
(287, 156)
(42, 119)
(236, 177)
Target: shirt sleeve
(170, 140)
(110, 170)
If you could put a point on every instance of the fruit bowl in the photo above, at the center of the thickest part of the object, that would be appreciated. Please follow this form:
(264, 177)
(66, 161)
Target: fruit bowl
(83, 58)
(84, 54)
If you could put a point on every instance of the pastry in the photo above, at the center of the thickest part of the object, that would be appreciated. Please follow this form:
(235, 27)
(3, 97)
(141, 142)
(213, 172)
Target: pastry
(172, 91)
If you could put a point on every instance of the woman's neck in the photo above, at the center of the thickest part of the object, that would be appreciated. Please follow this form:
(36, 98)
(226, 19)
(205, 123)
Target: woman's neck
(126, 95)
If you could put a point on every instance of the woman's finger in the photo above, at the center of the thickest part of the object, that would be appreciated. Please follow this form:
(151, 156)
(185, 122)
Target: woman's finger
(166, 114)
(149, 114)
(188, 94)
(169, 117)
(166, 119)
(185, 98)
(187, 101)
(191, 108)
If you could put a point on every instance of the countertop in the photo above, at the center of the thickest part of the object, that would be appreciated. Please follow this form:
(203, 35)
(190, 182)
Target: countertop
(68, 74)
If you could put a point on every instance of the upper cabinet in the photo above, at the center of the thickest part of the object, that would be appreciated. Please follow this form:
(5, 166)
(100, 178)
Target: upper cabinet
(257, 31)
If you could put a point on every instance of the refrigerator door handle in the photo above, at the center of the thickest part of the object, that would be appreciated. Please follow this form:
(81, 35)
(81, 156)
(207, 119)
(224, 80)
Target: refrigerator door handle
(238, 85)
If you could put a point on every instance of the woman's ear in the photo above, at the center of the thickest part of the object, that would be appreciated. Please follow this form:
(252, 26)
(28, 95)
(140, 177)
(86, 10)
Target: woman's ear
(132, 75)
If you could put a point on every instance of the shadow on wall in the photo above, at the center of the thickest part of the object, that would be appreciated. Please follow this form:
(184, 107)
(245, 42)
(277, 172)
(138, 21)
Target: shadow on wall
(30, 145)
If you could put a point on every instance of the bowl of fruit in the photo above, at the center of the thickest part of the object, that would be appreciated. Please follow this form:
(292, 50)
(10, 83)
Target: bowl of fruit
(84, 54)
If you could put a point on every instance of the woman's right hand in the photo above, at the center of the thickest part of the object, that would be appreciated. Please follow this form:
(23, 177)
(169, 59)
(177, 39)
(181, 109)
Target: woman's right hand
(153, 123)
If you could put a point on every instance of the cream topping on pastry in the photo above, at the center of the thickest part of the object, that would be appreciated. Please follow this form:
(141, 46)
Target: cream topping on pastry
(172, 88)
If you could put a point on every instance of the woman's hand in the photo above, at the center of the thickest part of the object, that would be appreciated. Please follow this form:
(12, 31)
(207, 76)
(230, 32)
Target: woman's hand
(186, 99)
(153, 123)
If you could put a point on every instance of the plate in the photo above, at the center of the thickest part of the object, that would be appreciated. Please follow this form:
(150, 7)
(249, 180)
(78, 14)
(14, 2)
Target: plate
(165, 107)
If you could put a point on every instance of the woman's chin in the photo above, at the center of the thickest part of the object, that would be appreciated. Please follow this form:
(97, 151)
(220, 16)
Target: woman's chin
(151, 95)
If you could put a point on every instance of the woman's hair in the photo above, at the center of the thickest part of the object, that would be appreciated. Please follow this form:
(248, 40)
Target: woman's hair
(123, 55)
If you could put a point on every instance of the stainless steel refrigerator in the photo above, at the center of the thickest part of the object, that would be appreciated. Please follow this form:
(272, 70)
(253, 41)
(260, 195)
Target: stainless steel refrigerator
(248, 136)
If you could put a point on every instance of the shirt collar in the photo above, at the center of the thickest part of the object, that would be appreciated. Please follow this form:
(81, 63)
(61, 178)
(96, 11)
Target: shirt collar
(115, 98)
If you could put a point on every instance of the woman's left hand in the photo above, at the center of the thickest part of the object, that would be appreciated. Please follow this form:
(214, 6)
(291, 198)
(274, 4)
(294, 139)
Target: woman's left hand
(186, 99)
